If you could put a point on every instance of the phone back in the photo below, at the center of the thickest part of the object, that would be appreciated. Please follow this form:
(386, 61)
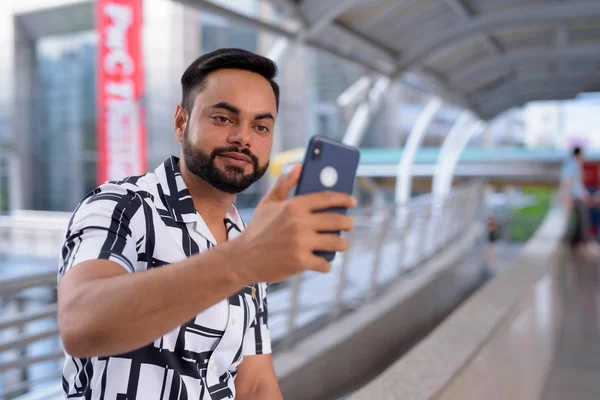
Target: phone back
(328, 165)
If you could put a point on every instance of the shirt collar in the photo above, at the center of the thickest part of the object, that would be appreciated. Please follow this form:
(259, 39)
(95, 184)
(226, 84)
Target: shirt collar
(174, 192)
(178, 200)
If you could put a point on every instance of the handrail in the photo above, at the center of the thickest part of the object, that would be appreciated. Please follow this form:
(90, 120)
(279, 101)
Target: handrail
(13, 285)
(20, 386)
(27, 361)
(25, 340)
(20, 320)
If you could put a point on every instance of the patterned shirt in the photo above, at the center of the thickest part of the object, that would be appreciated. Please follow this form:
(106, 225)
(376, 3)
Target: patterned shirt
(148, 222)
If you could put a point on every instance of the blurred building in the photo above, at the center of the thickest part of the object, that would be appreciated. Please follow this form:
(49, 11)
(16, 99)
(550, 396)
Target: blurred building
(564, 124)
(48, 51)
(48, 105)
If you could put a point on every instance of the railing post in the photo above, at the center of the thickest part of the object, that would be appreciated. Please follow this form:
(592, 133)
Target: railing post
(380, 246)
(342, 278)
(294, 306)
(423, 227)
(405, 225)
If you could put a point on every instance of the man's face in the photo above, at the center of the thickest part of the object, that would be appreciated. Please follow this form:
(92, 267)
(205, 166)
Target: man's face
(227, 138)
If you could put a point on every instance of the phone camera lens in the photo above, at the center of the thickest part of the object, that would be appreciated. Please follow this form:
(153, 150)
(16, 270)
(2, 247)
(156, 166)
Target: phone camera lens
(316, 152)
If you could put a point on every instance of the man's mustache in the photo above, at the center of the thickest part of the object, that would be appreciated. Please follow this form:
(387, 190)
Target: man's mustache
(234, 149)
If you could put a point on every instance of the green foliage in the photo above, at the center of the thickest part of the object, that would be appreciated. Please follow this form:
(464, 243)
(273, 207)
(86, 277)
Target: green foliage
(4, 200)
(526, 220)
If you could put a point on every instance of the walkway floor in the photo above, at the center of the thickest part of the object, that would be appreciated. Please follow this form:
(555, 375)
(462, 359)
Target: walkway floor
(575, 374)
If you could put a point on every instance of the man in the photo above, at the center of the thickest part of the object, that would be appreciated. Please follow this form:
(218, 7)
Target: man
(158, 295)
(576, 197)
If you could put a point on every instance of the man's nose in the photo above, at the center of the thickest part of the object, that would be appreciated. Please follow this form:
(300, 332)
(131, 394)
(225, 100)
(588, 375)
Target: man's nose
(241, 136)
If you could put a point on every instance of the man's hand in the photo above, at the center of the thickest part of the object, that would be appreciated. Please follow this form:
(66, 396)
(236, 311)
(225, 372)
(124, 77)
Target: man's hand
(283, 233)
(256, 379)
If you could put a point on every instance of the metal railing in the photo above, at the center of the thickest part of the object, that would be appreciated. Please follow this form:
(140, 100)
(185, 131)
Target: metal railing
(386, 244)
(33, 232)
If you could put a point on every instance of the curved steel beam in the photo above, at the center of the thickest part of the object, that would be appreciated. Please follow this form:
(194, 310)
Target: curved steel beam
(404, 168)
(385, 12)
(319, 13)
(469, 78)
(355, 92)
(452, 148)
(278, 51)
(544, 14)
(581, 80)
(362, 116)
(460, 9)
(448, 146)
(360, 45)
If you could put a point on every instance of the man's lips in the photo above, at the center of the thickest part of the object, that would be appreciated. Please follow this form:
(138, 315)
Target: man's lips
(237, 156)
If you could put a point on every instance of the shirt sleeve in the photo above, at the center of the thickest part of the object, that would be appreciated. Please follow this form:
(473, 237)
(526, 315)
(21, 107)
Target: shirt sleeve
(568, 171)
(101, 227)
(258, 337)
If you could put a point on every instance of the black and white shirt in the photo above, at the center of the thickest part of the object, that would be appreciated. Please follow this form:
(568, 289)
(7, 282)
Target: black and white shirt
(148, 222)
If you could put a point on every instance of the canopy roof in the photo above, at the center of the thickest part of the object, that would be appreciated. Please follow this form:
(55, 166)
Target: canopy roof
(486, 55)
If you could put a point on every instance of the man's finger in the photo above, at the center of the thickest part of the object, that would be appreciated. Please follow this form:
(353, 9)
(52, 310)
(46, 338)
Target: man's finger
(284, 184)
(318, 264)
(329, 242)
(324, 200)
(329, 222)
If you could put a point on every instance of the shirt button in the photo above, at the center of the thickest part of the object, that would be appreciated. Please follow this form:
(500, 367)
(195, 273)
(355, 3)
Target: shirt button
(212, 366)
(233, 321)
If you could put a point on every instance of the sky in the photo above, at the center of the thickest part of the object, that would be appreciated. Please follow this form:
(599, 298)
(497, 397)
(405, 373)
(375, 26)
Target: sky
(563, 124)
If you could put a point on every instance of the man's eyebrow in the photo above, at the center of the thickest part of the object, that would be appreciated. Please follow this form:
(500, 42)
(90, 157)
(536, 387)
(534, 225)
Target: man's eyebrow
(226, 106)
(233, 109)
(266, 115)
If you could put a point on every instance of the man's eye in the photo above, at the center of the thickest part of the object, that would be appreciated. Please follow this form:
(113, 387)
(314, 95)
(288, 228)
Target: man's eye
(262, 129)
(221, 119)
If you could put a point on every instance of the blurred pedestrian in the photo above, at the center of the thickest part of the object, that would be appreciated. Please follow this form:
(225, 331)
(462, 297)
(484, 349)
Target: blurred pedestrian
(576, 200)
(493, 236)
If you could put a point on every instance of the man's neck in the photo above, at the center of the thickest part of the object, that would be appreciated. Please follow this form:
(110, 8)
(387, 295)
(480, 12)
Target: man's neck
(211, 203)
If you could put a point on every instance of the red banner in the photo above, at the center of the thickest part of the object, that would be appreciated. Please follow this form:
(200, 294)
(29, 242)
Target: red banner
(121, 126)
(591, 174)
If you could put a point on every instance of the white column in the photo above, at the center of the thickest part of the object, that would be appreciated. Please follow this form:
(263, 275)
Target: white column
(450, 142)
(362, 116)
(455, 142)
(453, 156)
(404, 169)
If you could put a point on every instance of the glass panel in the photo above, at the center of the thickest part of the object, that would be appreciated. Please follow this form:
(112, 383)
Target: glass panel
(64, 132)
(219, 33)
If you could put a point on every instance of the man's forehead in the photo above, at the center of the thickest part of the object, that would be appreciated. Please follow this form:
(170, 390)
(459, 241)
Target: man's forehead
(248, 91)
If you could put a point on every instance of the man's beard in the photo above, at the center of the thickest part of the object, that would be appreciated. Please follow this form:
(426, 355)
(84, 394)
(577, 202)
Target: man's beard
(233, 180)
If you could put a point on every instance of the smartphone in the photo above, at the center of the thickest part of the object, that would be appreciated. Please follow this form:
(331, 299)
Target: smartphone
(328, 165)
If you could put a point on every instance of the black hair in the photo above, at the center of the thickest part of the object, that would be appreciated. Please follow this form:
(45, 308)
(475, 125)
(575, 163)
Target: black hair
(193, 79)
(577, 151)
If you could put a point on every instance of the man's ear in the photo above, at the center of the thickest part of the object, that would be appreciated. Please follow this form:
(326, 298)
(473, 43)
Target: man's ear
(180, 121)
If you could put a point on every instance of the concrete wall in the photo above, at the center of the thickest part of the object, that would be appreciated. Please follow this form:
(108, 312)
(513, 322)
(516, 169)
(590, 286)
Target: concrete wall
(347, 353)
(498, 344)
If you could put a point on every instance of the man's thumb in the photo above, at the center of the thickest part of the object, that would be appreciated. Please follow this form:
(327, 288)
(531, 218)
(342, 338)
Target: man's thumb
(284, 184)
